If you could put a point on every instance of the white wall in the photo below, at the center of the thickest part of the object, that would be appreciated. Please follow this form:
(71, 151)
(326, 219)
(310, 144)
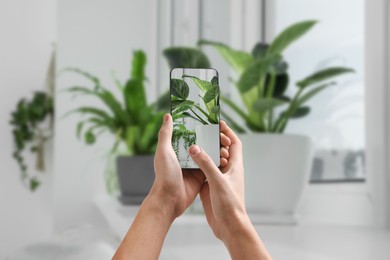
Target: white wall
(27, 30)
(97, 36)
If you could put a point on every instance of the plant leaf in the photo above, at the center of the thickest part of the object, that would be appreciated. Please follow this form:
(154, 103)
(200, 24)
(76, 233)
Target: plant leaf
(259, 50)
(300, 112)
(322, 75)
(85, 74)
(135, 99)
(255, 73)
(89, 137)
(210, 95)
(215, 109)
(184, 57)
(289, 35)
(132, 134)
(203, 85)
(281, 84)
(34, 184)
(239, 60)
(138, 65)
(233, 124)
(236, 109)
(265, 104)
(179, 88)
(309, 94)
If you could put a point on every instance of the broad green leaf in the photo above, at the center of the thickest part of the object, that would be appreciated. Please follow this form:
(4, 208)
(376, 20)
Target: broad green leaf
(215, 109)
(214, 81)
(255, 73)
(281, 84)
(184, 57)
(135, 99)
(179, 88)
(265, 104)
(138, 65)
(203, 85)
(239, 60)
(309, 94)
(289, 35)
(175, 104)
(210, 95)
(322, 75)
(280, 67)
(300, 112)
(259, 50)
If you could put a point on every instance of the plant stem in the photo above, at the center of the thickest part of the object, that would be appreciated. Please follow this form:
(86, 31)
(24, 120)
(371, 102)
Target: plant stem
(283, 120)
(199, 118)
(270, 93)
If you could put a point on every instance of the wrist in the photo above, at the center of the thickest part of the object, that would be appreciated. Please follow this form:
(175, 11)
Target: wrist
(159, 206)
(239, 226)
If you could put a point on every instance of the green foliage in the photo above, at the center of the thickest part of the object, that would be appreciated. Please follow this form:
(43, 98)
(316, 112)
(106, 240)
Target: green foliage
(131, 119)
(263, 80)
(184, 57)
(182, 107)
(28, 131)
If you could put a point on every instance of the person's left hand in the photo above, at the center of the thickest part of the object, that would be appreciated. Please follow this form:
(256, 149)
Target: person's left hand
(173, 187)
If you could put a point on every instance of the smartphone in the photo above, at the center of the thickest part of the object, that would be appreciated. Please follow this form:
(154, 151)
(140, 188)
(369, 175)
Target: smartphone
(195, 111)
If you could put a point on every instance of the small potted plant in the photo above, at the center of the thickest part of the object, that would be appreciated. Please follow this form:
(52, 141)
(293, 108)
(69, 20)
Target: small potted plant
(132, 121)
(32, 128)
(277, 165)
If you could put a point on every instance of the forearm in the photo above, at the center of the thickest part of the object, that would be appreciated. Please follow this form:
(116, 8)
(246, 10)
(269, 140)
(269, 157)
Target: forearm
(243, 241)
(146, 235)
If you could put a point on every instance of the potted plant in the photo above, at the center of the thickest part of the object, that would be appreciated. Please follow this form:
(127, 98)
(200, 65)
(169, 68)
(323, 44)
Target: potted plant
(277, 165)
(32, 128)
(132, 121)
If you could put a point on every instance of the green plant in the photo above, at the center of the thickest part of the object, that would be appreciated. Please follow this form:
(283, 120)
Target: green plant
(180, 132)
(263, 80)
(181, 105)
(30, 132)
(131, 120)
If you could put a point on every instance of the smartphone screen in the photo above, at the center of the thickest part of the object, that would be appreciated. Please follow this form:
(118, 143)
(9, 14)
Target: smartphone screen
(195, 112)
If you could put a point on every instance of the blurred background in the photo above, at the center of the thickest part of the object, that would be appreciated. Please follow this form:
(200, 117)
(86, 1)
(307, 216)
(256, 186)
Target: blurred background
(71, 72)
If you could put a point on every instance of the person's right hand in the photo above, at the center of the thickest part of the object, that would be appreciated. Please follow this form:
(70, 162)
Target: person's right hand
(223, 194)
(223, 200)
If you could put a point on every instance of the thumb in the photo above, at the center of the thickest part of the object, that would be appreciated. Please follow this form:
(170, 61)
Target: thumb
(205, 163)
(165, 133)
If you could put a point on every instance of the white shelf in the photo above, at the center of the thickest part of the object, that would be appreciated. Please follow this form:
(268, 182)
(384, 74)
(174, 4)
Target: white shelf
(190, 238)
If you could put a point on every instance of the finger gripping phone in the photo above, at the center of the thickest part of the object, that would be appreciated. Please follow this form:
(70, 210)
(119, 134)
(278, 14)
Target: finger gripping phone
(195, 111)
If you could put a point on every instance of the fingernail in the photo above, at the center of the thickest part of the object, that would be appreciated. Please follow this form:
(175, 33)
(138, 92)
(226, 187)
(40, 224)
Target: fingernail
(166, 117)
(194, 150)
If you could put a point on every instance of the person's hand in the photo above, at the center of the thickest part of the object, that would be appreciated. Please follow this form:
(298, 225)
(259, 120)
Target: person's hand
(223, 200)
(223, 194)
(173, 187)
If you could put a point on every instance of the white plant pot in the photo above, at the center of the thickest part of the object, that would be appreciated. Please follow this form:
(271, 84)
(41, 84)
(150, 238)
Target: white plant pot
(277, 170)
